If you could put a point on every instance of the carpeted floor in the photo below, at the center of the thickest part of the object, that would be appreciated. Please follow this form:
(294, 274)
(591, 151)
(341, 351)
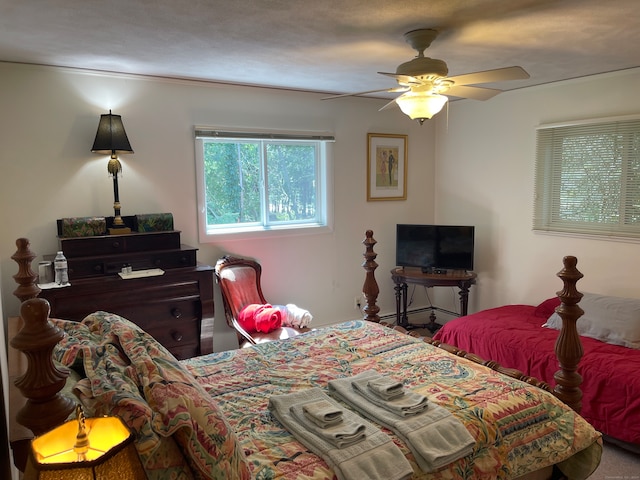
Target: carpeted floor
(617, 464)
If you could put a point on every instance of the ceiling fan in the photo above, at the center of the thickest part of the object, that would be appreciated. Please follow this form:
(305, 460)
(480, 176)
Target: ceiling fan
(425, 85)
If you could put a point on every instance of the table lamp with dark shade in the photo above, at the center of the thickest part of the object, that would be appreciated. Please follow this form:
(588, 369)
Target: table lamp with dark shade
(111, 139)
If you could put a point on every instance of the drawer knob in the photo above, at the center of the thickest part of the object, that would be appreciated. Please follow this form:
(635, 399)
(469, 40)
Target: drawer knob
(177, 336)
(116, 244)
(176, 312)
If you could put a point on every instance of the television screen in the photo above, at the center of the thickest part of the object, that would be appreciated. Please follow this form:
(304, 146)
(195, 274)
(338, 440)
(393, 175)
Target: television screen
(435, 247)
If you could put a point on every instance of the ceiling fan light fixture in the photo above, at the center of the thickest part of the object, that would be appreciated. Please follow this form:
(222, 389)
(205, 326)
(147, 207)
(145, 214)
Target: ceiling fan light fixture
(421, 105)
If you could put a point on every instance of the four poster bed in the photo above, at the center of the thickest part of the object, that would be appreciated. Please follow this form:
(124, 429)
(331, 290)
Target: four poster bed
(221, 415)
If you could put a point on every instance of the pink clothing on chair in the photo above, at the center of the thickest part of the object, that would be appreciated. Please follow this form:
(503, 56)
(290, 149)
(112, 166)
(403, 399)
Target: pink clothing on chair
(260, 318)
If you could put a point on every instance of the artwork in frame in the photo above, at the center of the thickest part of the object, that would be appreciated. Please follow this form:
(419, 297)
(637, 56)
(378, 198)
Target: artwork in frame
(386, 167)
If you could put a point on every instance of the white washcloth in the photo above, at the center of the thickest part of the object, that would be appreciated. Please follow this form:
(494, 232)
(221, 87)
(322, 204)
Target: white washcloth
(376, 457)
(410, 403)
(323, 413)
(341, 435)
(386, 388)
(435, 437)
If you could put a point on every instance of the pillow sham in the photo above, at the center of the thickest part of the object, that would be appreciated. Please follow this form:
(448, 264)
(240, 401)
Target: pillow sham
(614, 320)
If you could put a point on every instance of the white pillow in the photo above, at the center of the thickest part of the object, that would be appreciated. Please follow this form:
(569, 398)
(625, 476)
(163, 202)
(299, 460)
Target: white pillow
(614, 320)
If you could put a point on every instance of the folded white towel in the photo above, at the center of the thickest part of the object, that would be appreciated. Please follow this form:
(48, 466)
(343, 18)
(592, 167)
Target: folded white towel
(435, 437)
(323, 413)
(410, 403)
(342, 434)
(376, 457)
(386, 387)
(294, 316)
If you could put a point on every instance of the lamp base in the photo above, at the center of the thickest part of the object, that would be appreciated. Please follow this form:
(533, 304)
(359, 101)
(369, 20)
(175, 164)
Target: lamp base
(120, 230)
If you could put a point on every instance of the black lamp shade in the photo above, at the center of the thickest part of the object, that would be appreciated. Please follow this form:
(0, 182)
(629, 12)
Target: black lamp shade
(111, 136)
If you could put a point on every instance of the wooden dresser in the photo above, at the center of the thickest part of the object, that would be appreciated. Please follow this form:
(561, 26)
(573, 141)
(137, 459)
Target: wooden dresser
(176, 308)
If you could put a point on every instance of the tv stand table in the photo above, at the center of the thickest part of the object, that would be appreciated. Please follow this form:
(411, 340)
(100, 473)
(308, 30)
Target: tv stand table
(402, 276)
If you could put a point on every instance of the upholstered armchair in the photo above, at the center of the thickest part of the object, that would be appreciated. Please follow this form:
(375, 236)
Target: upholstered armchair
(239, 282)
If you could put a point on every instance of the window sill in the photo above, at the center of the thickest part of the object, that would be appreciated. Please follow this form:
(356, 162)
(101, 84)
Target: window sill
(254, 233)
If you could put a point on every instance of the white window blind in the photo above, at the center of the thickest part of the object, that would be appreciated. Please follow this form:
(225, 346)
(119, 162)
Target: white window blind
(588, 178)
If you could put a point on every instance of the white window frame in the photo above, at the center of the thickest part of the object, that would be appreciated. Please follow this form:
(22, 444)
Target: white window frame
(548, 199)
(324, 186)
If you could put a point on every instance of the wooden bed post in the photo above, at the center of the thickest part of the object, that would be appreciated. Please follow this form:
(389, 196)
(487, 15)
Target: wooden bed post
(370, 288)
(568, 345)
(46, 407)
(42, 381)
(25, 278)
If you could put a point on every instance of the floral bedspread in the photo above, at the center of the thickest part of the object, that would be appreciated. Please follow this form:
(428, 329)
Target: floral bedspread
(518, 428)
(207, 417)
(180, 432)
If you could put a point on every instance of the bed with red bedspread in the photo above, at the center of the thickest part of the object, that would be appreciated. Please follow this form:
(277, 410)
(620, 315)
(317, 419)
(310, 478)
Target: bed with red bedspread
(514, 335)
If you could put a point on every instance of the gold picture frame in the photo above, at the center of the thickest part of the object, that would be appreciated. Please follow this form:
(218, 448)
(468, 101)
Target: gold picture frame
(386, 167)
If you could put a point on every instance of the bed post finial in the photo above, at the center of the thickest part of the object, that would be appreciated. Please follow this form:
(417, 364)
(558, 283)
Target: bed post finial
(370, 288)
(41, 383)
(568, 346)
(25, 278)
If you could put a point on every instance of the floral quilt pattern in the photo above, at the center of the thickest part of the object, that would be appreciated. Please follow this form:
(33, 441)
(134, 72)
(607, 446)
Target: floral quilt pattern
(207, 417)
(518, 428)
(180, 432)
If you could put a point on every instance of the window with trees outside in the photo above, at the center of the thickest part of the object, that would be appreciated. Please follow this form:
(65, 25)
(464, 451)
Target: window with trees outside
(261, 182)
(588, 178)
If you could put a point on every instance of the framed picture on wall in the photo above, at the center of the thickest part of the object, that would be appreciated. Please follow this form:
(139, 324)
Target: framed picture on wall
(386, 167)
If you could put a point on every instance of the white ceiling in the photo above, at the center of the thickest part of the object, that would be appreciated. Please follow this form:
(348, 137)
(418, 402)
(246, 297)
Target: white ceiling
(321, 45)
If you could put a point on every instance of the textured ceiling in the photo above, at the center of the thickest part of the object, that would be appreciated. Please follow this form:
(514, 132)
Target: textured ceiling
(323, 45)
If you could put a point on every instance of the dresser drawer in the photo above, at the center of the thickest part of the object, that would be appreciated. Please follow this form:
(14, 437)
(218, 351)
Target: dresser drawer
(83, 267)
(115, 244)
(175, 324)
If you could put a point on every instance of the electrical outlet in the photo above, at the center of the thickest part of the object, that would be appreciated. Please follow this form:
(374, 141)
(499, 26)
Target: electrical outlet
(357, 302)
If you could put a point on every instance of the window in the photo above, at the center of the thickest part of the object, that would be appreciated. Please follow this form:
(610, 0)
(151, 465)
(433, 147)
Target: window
(258, 182)
(588, 178)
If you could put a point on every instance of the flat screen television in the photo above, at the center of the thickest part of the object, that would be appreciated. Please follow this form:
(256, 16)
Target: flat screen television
(435, 248)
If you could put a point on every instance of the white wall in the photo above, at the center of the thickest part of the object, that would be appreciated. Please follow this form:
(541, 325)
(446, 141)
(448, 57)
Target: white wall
(49, 120)
(485, 158)
(483, 176)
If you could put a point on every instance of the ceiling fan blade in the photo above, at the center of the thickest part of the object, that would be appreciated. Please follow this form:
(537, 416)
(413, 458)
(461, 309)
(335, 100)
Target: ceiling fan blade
(402, 79)
(387, 105)
(386, 90)
(475, 93)
(490, 76)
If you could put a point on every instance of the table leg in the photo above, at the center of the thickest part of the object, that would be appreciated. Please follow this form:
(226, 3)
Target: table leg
(398, 290)
(464, 298)
(405, 318)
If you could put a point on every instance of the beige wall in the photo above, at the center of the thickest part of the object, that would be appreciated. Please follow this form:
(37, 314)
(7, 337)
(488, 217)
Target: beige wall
(49, 121)
(485, 158)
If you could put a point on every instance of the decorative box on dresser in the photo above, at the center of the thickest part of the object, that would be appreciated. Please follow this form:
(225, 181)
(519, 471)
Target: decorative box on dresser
(175, 307)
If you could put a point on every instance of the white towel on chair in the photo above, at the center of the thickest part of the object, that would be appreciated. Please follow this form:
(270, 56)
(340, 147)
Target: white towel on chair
(294, 316)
